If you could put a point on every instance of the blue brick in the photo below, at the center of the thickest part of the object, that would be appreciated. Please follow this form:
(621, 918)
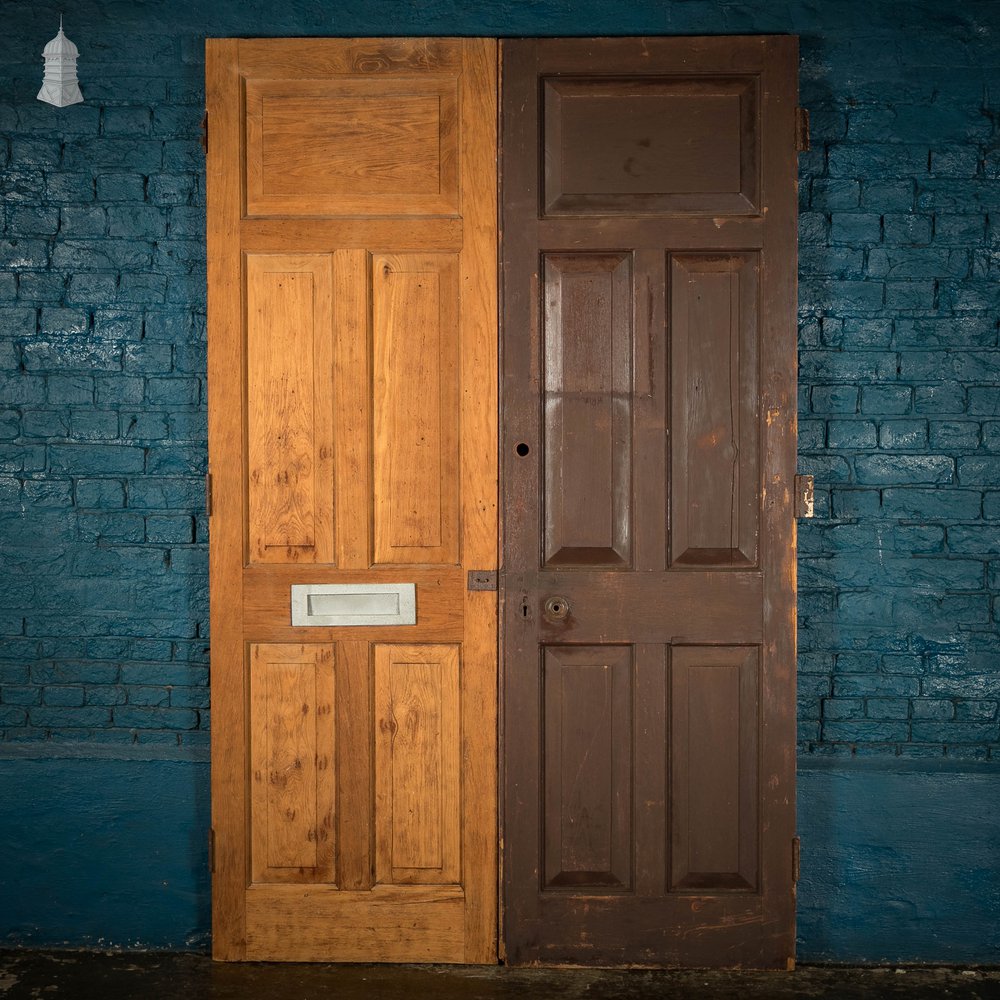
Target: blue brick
(908, 435)
(45, 423)
(148, 358)
(887, 708)
(172, 391)
(886, 399)
(117, 324)
(877, 161)
(155, 718)
(119, 390)
(66, 187)
(115, 187)
(143, 156)
(955, 732)
(869, 366)
(909, 295)
(955, 331)
(89, 459)
(102, 254)
(68, 696)
(830, 399)
(105, 694)
(974, 539)
(855, 229)
(144, 426)
(898, 469)
(185, 697)
(127, 121)
(955, 161)
(875, 685)
(171, 189)
(849, 297)
(89, 288)
(11, 694)
(24, 254)
(887, 196)
(183, 674)
(87, 717)
(147, 696)
(95, 425)
(131, 221)
(959, 230)
(843, 708)
(186, 221)
(49, 493)
(975, 711)
(142, 289)
(835, 193)
(973, 471)
(853, 434)
(33, 152)
(120, 527)
(866, 731)
(33, 221)
(70, 389)
(83, 220)
(935, 709)
(100, 493)
(946, 397)
(918, 262)
(12, 715)
(907, 229)
(169, 528)
(812, 435)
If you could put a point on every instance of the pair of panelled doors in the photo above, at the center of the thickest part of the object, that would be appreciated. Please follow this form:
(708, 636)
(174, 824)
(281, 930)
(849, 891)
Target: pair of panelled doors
(638, 483)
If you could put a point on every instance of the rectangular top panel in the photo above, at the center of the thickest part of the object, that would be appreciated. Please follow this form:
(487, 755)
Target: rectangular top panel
(651, 145)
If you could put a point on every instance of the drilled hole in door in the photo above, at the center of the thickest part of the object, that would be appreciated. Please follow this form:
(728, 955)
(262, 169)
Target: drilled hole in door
(522, 449)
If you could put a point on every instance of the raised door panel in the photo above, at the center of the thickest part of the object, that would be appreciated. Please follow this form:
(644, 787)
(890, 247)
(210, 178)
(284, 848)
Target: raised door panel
(715, 715)
(415, 312)
(715, 469)
(417, 785)
(588, 409)
(588, 768)
(289, 335)
(352, 147)
(292, 763)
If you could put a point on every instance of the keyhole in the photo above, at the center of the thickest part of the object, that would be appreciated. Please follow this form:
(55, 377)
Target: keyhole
(525, 608)
(522, 449)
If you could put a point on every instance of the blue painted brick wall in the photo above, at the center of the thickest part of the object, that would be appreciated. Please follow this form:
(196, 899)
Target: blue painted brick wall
(102, 333)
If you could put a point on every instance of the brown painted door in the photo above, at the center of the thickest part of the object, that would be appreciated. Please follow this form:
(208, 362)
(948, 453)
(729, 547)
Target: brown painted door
(352, 411)
(649, 267)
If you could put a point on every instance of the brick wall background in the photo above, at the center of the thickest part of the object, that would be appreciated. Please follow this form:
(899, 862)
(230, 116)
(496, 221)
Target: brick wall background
(103, 665)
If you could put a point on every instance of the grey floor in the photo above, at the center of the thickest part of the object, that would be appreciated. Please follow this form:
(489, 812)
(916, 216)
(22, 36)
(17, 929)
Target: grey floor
(82, 975)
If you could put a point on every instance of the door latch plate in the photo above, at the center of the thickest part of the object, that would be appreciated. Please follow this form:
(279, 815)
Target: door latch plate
(482, 579)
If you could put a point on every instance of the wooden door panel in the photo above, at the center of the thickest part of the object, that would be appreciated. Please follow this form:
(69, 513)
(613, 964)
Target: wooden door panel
(289, 419)
(293, 770)
(588, 413)
(417, 767)
(667, 145)
(715, 494)
(352, 147)
(714, 702)
(415, 309)
(648, 449)
(353, 364)
(587, 725)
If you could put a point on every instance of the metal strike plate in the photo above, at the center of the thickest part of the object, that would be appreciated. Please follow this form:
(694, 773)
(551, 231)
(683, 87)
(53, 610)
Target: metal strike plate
(333, 604)
(482, 579)
(805, 496)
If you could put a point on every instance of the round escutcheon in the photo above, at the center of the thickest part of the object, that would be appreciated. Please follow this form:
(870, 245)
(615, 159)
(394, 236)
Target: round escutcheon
(556, 609)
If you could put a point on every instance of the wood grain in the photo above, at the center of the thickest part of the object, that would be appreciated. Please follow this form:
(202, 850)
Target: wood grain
(293, 764)
(354, 373)
(693, 193)
(225, 427)
(418, 805)
(289, 416)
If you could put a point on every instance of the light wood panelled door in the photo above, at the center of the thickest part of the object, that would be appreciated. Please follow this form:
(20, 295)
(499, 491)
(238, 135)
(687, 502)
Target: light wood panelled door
(649, 458)
(352, 432)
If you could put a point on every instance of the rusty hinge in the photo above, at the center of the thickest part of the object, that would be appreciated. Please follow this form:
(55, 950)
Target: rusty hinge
(805, 496)
(208, 493)
(204, 133)
(796, 859)
(802, 130)
(211, 849)
(482, 579)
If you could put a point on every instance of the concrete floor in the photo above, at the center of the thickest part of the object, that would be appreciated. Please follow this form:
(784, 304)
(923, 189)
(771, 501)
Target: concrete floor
(90, 976)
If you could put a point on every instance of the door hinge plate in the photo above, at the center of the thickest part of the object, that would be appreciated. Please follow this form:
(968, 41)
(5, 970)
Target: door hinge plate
(802, 130)
(482, 579)
(211, 850)
(208, 493)
(204, 133)
(796, 859)
(805, 496)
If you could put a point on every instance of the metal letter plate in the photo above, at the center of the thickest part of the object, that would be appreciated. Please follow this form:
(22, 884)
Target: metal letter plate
(335, 604)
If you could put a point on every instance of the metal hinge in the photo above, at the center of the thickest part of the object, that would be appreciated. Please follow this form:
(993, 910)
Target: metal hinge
(802, 130)
(208, 493)
(805, 496)
(211, 850)
(796, 859)
(482, 579)
(204, 133)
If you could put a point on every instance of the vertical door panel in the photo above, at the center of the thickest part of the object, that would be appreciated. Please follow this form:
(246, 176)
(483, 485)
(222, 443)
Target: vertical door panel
(292, 766)
(588, 413)
(587, 724)
(289, 411)
(648, 457)
(352, 368)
